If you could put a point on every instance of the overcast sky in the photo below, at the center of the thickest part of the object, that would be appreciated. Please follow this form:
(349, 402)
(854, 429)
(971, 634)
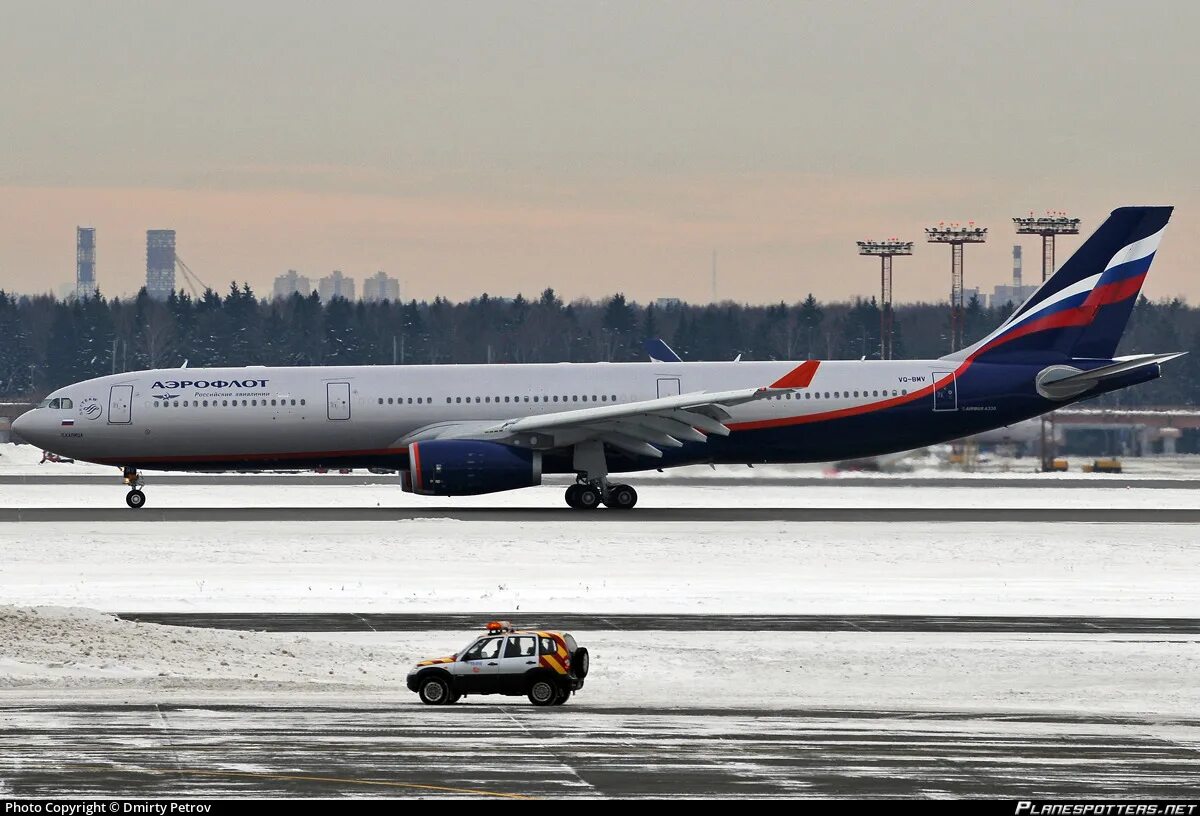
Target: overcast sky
(593, 147)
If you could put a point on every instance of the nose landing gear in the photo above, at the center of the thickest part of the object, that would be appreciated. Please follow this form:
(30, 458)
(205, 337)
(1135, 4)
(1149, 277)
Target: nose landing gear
(135, 498)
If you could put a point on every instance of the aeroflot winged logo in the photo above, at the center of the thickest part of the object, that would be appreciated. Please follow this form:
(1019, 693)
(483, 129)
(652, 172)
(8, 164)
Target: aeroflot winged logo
(169, 384)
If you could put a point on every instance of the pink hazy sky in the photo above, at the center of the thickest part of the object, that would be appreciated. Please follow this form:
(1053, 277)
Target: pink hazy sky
(610, 147)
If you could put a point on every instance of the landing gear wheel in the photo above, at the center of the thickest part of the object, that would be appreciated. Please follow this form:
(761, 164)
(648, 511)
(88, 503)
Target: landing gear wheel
(563, 696)
(434, 691)
(135, 499)
(621, 497)
(586, 497)
(543, 692)
(573, 496)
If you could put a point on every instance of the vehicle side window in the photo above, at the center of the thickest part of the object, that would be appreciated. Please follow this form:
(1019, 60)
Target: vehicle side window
(548, 645)
(485, 649)
(520, 646)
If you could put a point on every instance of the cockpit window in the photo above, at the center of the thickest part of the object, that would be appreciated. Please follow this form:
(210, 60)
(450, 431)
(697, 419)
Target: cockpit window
(53, 403)
(43, 404)
(65, 404)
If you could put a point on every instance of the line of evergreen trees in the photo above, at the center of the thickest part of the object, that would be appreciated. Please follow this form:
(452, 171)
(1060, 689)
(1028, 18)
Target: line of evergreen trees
(46, 343)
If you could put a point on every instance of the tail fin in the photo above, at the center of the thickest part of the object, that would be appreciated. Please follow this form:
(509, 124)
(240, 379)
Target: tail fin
(1082, 309)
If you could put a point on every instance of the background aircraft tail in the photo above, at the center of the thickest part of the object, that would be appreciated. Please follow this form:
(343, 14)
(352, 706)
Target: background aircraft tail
(1082, 309)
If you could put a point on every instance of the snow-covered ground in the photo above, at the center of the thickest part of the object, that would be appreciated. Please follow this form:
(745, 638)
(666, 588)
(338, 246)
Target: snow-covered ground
(603, 566)
(59, 653)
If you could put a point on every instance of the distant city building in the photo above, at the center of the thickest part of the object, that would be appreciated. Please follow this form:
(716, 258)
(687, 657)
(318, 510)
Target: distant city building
(292, 283)
(336, 285)
(667, 303)
(380, 287)
(974, 293)
(160, 263)
(85, 262)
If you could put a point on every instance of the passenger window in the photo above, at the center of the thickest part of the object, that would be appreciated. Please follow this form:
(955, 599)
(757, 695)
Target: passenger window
(381, 400)
(548, 646)
(485, 649)
(301, 402)
(574, 398)
(156, 403)
(520, 646)
(487, 399)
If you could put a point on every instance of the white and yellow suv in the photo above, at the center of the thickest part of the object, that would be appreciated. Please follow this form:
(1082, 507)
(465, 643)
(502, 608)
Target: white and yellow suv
(546, 666)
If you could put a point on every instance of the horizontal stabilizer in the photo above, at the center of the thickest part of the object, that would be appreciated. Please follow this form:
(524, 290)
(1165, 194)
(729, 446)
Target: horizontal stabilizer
(1064, 382)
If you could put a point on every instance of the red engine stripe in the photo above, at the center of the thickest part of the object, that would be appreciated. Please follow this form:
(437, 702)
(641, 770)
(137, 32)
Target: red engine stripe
(415, 455)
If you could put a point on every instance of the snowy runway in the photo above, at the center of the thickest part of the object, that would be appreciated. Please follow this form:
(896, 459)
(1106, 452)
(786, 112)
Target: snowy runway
(109, 706)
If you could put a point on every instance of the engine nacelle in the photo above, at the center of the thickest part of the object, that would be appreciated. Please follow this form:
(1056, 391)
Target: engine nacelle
(461, 467)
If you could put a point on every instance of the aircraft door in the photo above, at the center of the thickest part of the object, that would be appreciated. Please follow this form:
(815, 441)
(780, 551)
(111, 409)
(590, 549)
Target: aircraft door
(668, 387)
(945, 391)
(338, 400)
(120, 405)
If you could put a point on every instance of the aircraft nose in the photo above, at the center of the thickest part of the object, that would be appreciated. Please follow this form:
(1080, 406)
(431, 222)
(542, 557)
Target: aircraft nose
(23, 426)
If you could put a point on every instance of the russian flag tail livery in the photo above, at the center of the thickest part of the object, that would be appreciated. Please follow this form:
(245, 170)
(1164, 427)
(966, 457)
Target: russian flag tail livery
(1081, 311)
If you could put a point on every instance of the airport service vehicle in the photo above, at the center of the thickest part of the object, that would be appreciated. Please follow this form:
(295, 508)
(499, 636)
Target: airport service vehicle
(462, 430)
(545, 666)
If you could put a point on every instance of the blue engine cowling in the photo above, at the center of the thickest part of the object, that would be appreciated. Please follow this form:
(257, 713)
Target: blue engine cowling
(461, 467)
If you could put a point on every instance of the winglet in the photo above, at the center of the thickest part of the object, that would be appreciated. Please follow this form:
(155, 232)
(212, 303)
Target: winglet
(799, 377)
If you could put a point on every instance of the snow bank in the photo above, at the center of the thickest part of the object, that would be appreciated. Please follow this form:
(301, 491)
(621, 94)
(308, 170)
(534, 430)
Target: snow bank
(48, 651)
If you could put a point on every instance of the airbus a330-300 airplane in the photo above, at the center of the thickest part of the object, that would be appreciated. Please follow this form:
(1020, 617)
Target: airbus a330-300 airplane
(454, 430)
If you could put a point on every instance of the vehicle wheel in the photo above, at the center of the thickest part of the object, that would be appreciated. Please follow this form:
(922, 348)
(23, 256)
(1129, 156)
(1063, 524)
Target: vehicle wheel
(135, 499)
(434, 691)
(587, 498)
(581, 662)
(543, 692)
(573, 496)
(454, 697)
(563, 696)
(621, 497)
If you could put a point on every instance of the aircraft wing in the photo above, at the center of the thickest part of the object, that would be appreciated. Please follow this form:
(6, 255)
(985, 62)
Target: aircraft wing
(640, 428)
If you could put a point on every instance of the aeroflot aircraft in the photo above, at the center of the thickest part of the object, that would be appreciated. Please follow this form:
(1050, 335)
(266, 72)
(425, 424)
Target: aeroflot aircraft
(470, 429)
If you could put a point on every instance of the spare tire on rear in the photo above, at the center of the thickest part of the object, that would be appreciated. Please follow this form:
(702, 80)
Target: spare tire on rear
(581, 662)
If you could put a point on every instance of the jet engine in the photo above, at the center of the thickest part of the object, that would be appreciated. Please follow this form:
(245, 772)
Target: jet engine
(462, 467)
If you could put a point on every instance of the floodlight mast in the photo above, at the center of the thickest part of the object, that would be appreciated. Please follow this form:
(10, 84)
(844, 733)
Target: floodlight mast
(956, 235)
(1049, 226)
(885, 250)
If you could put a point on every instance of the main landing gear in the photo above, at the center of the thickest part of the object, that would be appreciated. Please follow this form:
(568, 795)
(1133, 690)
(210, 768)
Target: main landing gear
(135, 498)
(587, 496)
(592, 487)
